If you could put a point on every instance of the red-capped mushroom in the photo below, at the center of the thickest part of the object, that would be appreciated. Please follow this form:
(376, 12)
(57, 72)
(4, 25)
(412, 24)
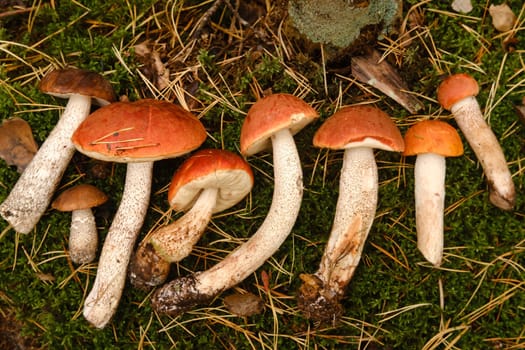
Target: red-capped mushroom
(457, 93)
(209, 181)
(33, 191)
(431, 141)
(357, 130)
(137, 133)
(83, 237)
(272, 120)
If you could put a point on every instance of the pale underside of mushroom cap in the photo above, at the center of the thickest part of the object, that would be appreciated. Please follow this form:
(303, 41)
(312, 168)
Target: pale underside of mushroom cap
(229, 173)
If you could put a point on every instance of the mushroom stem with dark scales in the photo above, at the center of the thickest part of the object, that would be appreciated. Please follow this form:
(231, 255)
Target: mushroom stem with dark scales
(457, 93)
(431, 141)
(136, 133)
(357, 130)
(209, 181)
(276, 117)
(33, 191)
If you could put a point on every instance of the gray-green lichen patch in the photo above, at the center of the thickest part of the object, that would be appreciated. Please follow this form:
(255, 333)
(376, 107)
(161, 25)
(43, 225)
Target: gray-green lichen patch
(339, 22)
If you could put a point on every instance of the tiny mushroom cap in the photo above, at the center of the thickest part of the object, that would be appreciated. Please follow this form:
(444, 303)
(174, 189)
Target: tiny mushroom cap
(433, 136)
(83, 196)
(455, 88)
(270, 114)
(141, 131)
(69, 81)
(230, 174)
(359, 126)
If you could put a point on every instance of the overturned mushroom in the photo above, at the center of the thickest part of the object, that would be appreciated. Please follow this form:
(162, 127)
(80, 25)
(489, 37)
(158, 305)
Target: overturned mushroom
(83, 237)
(357, 130)
(33, 191)
(457, 93)
(208, 182)
(137, 133)
(273, 121)
(17, 145)
(431, 141)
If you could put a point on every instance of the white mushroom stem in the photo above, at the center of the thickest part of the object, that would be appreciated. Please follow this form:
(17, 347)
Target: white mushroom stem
(183, 293)
(83, 236)
(488, 151)
(320, 294)
(33, 191)
(354, 215)
(103, 299)
(175, 241)
(429, 173)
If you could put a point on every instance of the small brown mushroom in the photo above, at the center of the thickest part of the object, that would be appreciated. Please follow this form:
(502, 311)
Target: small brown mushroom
(17, 145)
(83, 237)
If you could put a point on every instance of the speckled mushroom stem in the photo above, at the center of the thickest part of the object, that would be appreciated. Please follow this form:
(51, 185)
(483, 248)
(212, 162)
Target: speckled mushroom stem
(429, 174)
(33, 191)
(83, 236)
(184, 293)
(103, 299)
(488, 151)
(149, 266)
(320, 295)
(174, 242)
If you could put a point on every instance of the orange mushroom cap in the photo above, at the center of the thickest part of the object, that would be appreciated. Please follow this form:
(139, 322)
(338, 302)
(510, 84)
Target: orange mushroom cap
(144, 130)
(433, 136)
(355, 125)
(82, 196)
(455, 88)
(211, 168)
(270, 114)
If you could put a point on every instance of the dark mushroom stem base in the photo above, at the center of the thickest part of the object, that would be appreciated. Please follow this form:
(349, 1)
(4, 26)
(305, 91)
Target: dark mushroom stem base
(320, 294)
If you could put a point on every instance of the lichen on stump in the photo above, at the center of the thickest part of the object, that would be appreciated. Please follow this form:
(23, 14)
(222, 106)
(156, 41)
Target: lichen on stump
(340, 22)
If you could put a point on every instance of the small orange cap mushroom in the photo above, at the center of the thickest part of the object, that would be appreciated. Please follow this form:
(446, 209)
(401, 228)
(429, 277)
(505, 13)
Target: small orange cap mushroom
(433, 136)
(270, 114)
(82, 196)
(455, 88)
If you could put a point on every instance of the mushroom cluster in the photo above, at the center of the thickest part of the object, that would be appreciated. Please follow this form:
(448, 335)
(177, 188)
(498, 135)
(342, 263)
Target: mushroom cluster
(271, 121)
(212, 180)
